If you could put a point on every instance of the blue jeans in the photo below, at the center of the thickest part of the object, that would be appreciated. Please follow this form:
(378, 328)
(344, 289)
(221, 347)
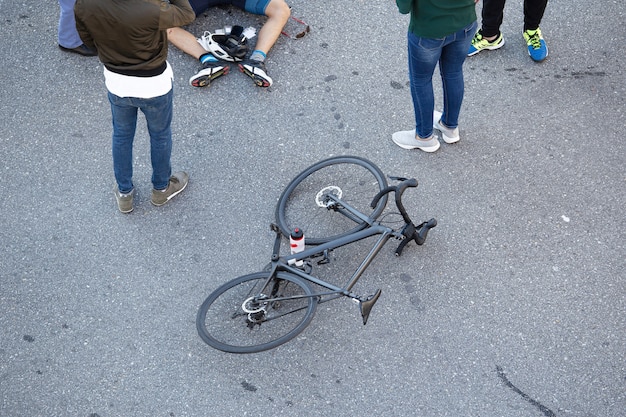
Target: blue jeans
(158, 112)
(424, 54)
(68, 35)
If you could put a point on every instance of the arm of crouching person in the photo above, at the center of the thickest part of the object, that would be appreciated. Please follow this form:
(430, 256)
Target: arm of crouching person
(83, 33)
(175, 13)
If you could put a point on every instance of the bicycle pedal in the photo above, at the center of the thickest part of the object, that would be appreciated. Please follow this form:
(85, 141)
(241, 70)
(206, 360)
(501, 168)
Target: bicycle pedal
(366, 306)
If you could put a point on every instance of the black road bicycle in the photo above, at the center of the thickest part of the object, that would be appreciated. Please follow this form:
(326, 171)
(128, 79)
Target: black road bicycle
(335, 202)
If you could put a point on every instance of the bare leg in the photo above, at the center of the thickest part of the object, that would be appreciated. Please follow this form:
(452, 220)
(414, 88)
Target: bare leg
(277, 13)
(188, 43)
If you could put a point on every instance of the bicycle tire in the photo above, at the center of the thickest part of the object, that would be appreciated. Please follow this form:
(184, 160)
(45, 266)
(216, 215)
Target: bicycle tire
(359, 181)
(223, 324)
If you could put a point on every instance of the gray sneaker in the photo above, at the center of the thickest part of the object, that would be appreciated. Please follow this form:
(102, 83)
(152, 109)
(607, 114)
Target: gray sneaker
(124, 201)
(178, 182)
(447, 134)
(406, 139)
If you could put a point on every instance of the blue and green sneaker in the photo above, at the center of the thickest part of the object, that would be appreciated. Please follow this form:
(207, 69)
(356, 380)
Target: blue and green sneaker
(537, 48)
(479, 43)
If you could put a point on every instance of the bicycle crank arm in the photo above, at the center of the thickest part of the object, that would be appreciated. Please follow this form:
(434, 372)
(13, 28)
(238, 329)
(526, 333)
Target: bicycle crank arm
(366, 305)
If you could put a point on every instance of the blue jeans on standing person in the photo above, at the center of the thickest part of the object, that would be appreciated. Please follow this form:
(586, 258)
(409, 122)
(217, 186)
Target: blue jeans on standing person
(158, 112)
(67, 33)
(424, 54)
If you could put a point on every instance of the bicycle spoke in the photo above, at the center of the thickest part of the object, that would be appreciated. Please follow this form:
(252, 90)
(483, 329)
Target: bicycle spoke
(303, 203)
(267, 324)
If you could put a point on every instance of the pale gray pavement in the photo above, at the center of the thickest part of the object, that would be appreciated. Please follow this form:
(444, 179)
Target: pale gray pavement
(515, 307)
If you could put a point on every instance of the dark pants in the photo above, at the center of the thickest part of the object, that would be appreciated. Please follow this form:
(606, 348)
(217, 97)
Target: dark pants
(493, 12)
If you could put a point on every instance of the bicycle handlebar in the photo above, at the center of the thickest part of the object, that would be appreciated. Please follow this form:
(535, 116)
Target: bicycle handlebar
(410, 231)
(399, 190)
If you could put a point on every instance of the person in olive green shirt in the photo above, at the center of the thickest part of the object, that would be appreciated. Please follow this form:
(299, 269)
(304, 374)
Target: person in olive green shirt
(440, 32)
(131, 39)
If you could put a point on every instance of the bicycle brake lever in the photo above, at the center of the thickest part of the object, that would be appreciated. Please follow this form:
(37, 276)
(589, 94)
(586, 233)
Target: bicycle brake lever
(401, 246)
(420, 236)
(409, 233)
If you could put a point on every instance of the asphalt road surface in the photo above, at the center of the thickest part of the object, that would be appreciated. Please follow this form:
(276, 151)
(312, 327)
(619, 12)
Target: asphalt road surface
(514, 307)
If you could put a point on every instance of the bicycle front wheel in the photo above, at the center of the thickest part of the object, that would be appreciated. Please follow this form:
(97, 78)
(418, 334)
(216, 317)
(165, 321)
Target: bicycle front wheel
(245, 315)
(352, 179)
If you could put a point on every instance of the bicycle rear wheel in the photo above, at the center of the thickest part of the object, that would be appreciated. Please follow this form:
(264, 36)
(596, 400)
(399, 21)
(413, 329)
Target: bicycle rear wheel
(223, 323)
(354, 180)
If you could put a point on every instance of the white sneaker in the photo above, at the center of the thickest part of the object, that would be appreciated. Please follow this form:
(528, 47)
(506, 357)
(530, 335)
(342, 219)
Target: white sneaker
(210, 70)
(447, 134)
(407, 140)
(256, 70)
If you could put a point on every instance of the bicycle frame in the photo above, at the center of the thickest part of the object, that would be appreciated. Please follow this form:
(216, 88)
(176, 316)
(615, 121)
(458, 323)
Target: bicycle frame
(285, 263)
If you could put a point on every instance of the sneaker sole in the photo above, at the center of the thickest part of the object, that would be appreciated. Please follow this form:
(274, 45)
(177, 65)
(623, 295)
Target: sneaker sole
(429, 150)
(403, 146)
(487, 48)
(446, 138)
(170, 196)
(259, 81)
(205, 80)
(437, 126)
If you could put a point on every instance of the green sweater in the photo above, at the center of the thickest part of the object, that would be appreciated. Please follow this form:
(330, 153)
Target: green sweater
(438, 18)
